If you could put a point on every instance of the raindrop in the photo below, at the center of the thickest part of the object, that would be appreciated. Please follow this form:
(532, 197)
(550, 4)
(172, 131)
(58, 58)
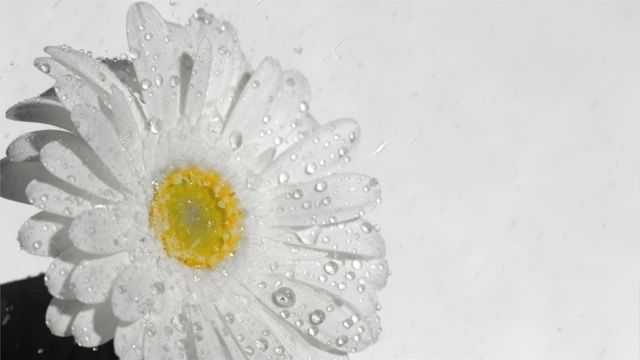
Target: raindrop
(310, 168)
(317, 317)
(342, 340)
(134, 53)
(174, 81)
(283, 177)
(159, 79)
(148, 36)
(297, 194)
(331, 267)
(304, 106)
(45, 68)
(284, 297)
(235, 140)
(321, 186)
(145, 84)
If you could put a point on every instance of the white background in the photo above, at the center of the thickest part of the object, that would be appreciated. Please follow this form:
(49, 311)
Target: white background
(510, 155)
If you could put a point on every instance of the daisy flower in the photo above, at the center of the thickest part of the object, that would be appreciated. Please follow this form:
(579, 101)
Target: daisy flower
(193, 206)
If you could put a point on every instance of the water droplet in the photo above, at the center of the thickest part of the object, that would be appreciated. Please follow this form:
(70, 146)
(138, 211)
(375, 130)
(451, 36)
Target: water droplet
(145, 84)
(297, 194)
(331, 267)
(235, 140)
(304, 106)
(174, 81)
(134, 53)
(317, 317)
(283, 178)
(284, 297)
(148, 36)
(37, 245)
(45, 68)
(321, 186)
(159, 79)
(262, 344)
(342, 340)
(229, 318)
(310, 168)
(255, 84)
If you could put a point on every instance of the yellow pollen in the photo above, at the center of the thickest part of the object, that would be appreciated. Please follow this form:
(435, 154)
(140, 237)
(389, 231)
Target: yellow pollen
(196, 215)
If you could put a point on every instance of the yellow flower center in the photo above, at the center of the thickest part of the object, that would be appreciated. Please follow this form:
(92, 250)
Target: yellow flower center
(196, 215)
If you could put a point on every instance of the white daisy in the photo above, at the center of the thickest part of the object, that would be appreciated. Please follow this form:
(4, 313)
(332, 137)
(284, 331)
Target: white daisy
(194, 207)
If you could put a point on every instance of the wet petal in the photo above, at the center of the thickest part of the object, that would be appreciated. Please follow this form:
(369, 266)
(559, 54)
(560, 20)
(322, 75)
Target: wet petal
(55, 200)
(94, 325)
(320, 153)
(105, 230)
(91, 280)
(97, 131)
(197, 89)
(356, 239)
(65, 164)
(320, 317)
(60, 315)
(157, 62)
(42, 110)
(255, 103)
(57, 278)
(138, 291)
(325, 201)
(230, 68)
(45, 234)
(27, 147)
(127, 341)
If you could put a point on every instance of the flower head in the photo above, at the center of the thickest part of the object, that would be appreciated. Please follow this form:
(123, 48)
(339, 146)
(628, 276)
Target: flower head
(194, 207)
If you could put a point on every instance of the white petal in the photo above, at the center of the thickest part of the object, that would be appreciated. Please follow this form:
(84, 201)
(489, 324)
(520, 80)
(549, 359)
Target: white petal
(167, 337)
(209, 341)
(157, 63)
(57, 278)
(60, 315)
(255, 103)
(42, 110)
(129, 122)
(105, 230)
(354, 239)
(321, 153)
(96, 74)
(27, 147)
(45, 234)
(127, 341)
(241, 318)
(230, 69)
(322, 318)
(55, 200)
(197, 89)
(71, 88)
(91, 280)
(94, 325)
(138, 291)
(97, 130)
(328, 200)
(288, 120)
(65, 164)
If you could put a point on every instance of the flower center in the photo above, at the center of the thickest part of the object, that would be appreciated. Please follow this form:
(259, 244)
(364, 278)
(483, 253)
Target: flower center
(196, 215)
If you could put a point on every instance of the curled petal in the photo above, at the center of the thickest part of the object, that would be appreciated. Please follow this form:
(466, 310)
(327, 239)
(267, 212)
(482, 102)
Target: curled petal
(45, 234)
(42, 110)
(60, 315)
(94, 325)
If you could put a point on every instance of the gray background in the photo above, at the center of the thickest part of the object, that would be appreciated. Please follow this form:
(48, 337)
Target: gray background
(505, 135)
